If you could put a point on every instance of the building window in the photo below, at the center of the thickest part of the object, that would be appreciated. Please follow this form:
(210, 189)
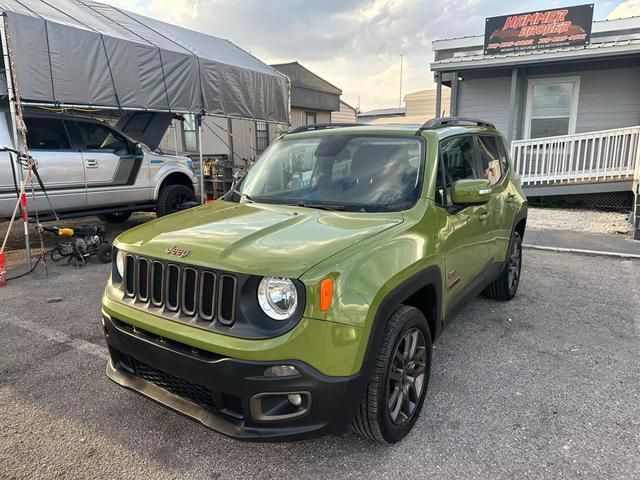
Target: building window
(190, 133)
(262, 137)
(310, 118)
(552, 107)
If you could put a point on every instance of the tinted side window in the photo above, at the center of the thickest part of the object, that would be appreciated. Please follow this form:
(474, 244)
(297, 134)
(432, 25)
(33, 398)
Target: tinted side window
(46, 134)
(493, 158)
(459, 159)
(98, 137)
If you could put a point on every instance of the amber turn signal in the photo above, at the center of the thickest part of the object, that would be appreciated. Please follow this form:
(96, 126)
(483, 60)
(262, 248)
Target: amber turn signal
(326, 293)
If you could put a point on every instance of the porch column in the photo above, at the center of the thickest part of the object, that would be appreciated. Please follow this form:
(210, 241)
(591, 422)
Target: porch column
(453, 108)
(512, 104)
(438, 94)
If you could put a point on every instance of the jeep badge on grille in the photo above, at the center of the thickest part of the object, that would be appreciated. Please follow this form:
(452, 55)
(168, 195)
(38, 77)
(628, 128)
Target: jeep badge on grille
(178, 252)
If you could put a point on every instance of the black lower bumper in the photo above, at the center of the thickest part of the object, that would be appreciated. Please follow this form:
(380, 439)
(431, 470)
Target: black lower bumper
(231, 396)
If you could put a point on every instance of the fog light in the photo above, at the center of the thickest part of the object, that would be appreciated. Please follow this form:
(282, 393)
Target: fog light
(281, 371)
(295, 400)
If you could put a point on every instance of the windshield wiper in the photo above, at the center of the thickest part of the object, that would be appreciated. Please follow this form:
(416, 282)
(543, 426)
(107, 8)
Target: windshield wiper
(247, 197)
(320, 206)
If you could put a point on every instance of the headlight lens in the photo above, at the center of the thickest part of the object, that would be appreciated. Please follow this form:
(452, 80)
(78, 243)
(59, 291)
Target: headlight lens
(120, 263)
(277, 297)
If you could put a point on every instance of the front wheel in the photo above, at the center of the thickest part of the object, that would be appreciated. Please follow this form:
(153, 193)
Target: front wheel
(399, 380)
(171, 197)
(506, 286)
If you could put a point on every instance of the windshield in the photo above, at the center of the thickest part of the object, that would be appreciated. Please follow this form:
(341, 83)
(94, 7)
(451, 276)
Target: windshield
(343, 172)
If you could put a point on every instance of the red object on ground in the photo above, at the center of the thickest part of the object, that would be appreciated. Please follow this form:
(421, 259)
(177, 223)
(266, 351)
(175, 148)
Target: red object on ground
(23, 204)
(3, 271)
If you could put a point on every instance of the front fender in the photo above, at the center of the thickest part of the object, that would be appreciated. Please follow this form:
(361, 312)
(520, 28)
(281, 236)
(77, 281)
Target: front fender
(167, 169)
(366, 273)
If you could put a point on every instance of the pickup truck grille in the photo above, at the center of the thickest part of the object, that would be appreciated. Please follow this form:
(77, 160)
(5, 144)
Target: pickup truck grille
(188, 290)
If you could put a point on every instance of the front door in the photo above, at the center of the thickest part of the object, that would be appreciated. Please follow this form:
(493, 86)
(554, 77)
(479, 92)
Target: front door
(60, 167)
(463, 236)
(111, 167)
(494, 165)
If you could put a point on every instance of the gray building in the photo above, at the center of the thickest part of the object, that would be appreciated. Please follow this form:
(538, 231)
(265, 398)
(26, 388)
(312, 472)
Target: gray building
(313, 99)
(547, 92)
(572, 114)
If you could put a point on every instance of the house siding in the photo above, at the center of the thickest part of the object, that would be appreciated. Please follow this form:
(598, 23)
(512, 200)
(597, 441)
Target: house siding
(298, 117)
(487, 99)
(608, 98)
(346, 114)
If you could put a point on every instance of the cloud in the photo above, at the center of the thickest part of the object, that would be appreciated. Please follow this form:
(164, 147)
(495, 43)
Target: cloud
(630, 8)
(353, 44)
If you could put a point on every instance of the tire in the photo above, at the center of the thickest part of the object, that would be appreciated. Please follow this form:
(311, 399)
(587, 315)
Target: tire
(115, 217)
(103, 253)
(506, 286)
(171, 197)
(375, 418)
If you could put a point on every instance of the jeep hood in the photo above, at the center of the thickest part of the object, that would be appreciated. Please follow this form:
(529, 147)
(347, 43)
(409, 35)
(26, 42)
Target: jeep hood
(257, 239)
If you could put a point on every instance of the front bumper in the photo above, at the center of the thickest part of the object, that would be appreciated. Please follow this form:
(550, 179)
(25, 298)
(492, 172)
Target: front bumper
(231, 396)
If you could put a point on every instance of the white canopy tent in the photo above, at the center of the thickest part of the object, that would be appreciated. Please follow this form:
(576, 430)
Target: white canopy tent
(81, 53)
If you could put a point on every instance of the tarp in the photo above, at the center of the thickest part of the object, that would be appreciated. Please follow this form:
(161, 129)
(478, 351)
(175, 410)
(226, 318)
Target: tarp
(81, 52)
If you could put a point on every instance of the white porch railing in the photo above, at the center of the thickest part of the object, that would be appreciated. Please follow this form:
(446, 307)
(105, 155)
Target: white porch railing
(604, 156)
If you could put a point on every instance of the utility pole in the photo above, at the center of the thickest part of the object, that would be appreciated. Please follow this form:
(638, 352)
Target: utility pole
(400, 99)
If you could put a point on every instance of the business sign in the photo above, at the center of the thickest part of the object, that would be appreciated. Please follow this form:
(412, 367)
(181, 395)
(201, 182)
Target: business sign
(560, 27)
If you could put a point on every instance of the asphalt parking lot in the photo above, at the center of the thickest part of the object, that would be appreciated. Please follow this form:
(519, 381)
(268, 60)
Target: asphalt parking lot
(547, 386)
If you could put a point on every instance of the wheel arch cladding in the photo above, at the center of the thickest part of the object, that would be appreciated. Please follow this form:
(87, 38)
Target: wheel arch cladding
(176, 178)
(521, 225)
(423, 291)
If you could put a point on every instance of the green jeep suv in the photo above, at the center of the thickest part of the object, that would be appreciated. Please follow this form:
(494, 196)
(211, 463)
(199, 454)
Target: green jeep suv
(308, 299)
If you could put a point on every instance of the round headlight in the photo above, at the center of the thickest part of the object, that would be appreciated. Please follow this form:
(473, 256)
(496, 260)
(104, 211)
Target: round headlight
(277, 297)
(120, 263)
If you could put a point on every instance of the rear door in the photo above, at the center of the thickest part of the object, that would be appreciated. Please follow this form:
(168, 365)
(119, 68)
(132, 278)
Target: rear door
(463, 236)
(111, 166)
(59, 166)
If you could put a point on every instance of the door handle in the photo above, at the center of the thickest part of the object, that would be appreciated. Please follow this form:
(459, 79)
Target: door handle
(91, 163)
(483, 217)
(512, 198)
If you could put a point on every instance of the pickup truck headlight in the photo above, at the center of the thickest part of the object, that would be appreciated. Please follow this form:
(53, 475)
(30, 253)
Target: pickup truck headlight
(277, 297)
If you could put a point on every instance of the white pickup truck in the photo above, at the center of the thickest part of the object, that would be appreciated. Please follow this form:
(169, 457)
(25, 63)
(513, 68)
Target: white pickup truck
(91, 168)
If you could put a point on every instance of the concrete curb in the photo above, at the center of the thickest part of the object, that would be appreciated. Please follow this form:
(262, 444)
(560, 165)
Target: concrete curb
(583, 252)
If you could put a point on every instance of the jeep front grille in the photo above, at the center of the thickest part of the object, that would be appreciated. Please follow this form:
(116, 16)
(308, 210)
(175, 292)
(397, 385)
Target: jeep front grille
(191, 291)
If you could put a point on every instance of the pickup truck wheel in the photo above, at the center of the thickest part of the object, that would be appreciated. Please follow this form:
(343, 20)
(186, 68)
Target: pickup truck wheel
(115, 217)
(399, 380)
(506, 286)
(171, 197)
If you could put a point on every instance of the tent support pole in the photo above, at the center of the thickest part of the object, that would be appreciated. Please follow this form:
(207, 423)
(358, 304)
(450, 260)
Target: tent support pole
(14, 124)
(202, 190)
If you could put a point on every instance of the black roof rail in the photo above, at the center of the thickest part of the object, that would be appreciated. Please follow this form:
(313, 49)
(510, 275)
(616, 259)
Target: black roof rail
(323, 126)
(450, 121)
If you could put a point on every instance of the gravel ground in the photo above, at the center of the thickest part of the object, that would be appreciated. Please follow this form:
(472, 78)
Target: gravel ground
(545, 386)
(578, 220)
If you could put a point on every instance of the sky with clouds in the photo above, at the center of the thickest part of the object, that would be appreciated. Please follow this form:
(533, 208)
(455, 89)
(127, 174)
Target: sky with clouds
(354, 44)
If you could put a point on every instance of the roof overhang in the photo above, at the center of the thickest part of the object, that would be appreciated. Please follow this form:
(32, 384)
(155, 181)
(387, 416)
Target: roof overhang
(456, 64)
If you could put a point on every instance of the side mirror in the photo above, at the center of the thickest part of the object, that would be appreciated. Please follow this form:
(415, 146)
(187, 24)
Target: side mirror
(470, 192)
